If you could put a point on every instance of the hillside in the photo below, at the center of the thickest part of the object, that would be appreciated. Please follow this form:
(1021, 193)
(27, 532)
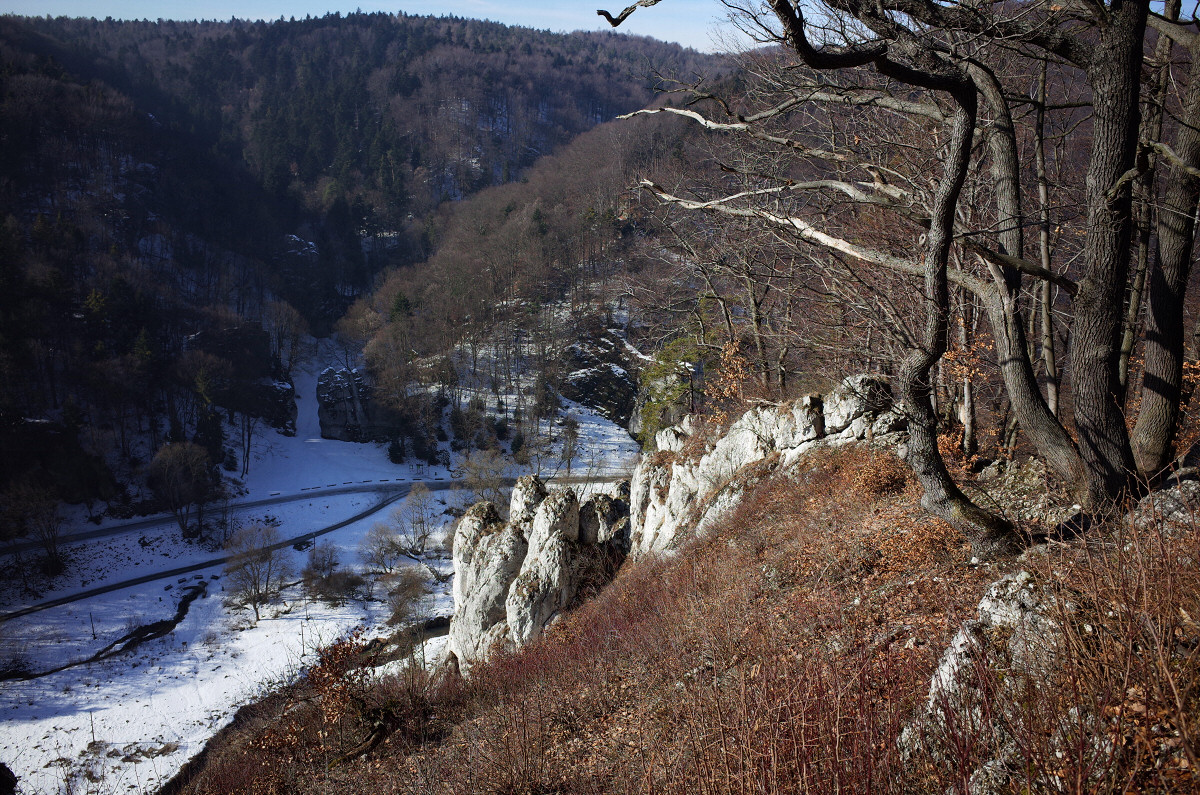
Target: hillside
(819, 634)
(182, 201)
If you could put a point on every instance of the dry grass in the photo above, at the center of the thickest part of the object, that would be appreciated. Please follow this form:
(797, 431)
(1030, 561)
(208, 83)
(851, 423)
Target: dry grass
(786, 653)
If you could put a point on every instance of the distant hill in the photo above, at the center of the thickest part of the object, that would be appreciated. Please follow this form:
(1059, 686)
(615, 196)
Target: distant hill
(160, 179)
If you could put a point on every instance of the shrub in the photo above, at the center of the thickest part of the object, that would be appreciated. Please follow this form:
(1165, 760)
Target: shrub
(324, 579)
(406, 588)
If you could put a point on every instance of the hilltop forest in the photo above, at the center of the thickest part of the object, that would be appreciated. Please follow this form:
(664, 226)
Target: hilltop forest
(181, 202)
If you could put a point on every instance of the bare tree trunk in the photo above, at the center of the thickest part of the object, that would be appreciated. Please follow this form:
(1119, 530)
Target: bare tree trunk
(1162, 380)
(966, 409)
(1001, 302)
(989, 534)
(1152, 124)
(1049, 357)
(1114, 74)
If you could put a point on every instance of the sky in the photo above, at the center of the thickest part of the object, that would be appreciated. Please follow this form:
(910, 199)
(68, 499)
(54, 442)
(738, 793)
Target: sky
(688, 22)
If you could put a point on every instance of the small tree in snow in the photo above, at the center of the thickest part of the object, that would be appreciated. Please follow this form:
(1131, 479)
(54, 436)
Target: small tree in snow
(255, 571)
(417, 518)
(381, 548)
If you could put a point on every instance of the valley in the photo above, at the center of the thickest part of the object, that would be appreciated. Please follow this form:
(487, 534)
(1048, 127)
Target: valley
(427, 405)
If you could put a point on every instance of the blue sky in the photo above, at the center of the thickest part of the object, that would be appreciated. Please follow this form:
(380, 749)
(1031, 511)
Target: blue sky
(689, 22)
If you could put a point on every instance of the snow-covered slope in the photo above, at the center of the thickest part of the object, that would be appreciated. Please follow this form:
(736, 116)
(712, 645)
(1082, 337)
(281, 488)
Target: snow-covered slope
(128, 723)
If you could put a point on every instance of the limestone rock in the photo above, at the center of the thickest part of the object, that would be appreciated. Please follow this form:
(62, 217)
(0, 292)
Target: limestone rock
(514, 580)
(347, 409)
(602, 373)
(601, 517)
(557, 515)
(1015, 634)
(672, 497)
(527, 494)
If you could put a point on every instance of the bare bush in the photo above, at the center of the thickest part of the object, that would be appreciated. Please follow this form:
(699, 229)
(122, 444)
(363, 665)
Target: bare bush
(257, 567)
(405, 590)
(326, 579)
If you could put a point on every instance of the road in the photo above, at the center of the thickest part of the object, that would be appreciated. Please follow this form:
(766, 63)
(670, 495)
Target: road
(161, 519)
(398, 490)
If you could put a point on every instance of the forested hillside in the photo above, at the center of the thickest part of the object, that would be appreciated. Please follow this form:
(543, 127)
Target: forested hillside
(244, 182)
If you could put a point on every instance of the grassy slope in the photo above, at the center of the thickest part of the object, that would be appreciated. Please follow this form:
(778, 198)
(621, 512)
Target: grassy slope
(783, 654)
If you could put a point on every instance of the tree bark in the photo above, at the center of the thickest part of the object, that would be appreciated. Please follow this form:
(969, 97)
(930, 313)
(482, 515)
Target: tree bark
(1049, 355)
(1114, 74)
(989, 534)
(1162, 379)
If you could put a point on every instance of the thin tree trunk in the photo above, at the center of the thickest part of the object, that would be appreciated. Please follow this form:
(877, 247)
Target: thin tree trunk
(1152, 124)
(1001, 302)
(1162, 379)
(989, 534)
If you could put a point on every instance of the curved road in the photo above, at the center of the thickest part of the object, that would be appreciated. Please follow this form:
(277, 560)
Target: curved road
(399, 489)
(161, 519)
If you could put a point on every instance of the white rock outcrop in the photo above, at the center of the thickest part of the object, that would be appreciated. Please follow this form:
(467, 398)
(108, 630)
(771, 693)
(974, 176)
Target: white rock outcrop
(513, 580)
(672, 497)
(993, 663)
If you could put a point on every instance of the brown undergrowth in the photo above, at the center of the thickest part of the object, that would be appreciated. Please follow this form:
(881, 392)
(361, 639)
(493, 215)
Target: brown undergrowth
(785, 652)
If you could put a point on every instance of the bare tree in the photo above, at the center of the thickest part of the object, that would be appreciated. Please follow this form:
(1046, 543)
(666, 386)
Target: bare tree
(256, 568)
(181, 478)
(950, 69)
(32, 510)
(381, 548)
(418, 517)
(287, 328)
(483, 474)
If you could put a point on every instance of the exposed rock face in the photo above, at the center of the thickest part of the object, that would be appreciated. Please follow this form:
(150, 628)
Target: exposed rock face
(602, 373)
(348, 410)
(512, 580)
(1015, 635)
(1175, 506)
(671, 497)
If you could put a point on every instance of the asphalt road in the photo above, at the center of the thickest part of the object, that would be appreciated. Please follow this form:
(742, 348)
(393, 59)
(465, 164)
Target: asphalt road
(161, 519)
(398, 490)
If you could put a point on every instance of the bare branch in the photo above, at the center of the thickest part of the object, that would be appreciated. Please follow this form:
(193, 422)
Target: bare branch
(799, 226)
(1172, 157)
(1177, 32)
(619, 18)
(1019, 264)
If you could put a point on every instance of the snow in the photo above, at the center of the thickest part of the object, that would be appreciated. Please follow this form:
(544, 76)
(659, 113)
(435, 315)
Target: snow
(129, 722)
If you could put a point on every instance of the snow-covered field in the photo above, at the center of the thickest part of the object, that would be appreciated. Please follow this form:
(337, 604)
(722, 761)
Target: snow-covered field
(129, 722)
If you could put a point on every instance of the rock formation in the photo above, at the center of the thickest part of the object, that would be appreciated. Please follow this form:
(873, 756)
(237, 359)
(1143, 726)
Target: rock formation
(994, 660)
(602, 373)
(674, 493)
(514, 579)
(348, 411)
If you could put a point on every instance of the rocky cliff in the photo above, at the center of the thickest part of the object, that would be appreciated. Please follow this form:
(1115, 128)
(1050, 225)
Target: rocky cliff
(514, 579)
(347, 409)
(602, 373)
(692, 481)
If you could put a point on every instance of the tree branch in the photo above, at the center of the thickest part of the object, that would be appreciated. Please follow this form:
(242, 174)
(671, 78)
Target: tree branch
(619, 18)
(1019, 264)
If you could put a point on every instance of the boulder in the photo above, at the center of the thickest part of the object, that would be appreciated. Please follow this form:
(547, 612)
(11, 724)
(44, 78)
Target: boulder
(1015, 636)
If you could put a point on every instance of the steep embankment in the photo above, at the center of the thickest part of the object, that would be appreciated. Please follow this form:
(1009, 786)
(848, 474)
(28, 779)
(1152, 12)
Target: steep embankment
(821, 633)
